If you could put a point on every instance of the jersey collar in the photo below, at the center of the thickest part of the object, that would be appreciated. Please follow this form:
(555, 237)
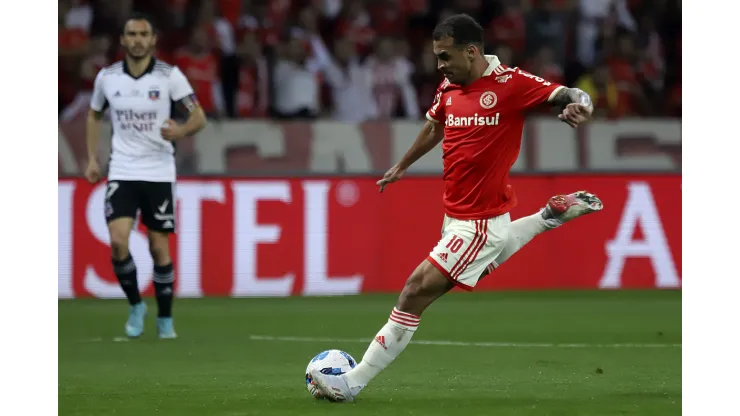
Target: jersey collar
(148, 69)
(493, 63)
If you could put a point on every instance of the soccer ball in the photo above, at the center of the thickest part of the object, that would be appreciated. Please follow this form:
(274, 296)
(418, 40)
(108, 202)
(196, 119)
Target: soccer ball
(328, 362)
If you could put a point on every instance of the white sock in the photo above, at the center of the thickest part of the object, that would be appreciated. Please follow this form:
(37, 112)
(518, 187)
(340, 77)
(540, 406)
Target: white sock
(388, 344)
(521, 232)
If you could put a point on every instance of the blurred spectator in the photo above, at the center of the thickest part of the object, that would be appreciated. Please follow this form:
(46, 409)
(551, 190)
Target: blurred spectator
(557, 39)
(252, 99)
(545, 26)
(222, 41)
(307, 26)
(329, 8)
(593, 14)
(622, 68)
(296, 86)
(177, 13)
(402, 51)
(257, 20)
(96, 59)
(72, 47)
(543, 64)
(391, 77)
(406, 68)
(651, 66)
(230, 10)
(218, 29)
(354, 24)
(603, 91)
(306, 30)
(605, 43)
(387, 17)
(426, 78)
(509, 29)
(201, 67)
(72, 40)
(79, 15)
(350, 81)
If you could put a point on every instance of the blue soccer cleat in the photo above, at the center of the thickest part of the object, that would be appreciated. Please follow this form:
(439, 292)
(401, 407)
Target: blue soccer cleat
(166, 328)
(135, 323)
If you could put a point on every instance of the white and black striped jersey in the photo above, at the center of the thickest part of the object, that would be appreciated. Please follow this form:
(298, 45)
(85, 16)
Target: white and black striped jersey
(139, 107)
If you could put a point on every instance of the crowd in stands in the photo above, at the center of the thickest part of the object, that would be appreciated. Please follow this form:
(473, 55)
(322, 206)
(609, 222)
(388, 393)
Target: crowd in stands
(360, 60)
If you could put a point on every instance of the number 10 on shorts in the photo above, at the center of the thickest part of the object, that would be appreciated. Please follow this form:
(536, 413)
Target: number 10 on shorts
(455, 244)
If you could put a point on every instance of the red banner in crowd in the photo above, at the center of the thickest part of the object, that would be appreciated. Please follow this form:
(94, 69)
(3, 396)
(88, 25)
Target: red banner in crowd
(280, 237)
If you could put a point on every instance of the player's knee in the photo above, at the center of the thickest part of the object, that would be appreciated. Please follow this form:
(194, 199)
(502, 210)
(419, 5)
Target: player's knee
(413, 286)
(421, 289)
(159, 249)
(160, 253)
(119, 245)
(410, 298)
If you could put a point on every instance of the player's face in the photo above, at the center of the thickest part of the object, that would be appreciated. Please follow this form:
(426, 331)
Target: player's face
(454, 61)
(138, 39)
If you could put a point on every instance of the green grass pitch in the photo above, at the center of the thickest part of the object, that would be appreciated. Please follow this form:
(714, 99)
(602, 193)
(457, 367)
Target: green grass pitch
(594, 353)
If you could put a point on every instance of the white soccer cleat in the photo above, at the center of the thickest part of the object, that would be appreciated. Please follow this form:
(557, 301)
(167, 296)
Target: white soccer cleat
(333, 387)
(563, 208)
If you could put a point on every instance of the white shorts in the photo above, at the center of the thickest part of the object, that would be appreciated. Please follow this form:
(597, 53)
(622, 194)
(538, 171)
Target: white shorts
(468, 247)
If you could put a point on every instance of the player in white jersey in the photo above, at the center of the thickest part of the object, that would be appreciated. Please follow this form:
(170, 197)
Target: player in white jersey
(139, 92)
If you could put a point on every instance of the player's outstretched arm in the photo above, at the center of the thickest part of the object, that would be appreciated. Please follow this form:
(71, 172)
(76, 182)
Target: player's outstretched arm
(429, 136)
(575, 104)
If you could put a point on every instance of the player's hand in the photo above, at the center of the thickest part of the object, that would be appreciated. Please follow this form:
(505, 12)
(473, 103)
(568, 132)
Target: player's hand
(395, 173)
(574, 114)
(172, 131)
(92, 173)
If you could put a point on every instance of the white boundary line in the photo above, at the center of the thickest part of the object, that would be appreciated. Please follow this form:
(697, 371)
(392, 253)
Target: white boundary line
(464, 344)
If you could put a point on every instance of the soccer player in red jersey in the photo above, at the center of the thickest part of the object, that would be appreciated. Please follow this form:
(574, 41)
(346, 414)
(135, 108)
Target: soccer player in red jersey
(479, 110)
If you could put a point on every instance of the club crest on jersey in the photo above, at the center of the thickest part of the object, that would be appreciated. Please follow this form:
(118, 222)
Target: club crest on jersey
(154, 94)
(488, 100)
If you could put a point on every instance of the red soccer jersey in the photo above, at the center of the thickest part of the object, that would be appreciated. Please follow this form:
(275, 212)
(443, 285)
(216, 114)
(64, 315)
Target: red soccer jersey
(482, 137)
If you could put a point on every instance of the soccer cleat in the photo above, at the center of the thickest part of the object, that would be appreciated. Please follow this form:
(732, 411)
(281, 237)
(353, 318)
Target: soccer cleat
(563, 208)
(135, 323)
(166, 328)
(333, 387)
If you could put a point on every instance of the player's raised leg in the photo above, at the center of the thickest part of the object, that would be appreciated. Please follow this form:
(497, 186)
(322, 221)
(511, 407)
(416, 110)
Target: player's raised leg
(463, 253)
(558, 210)
(158, 214)
(121, 204)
